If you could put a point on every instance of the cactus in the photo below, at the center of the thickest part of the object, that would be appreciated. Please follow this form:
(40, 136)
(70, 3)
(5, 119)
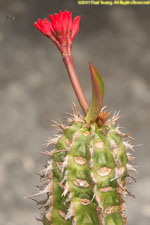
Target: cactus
(89, 162)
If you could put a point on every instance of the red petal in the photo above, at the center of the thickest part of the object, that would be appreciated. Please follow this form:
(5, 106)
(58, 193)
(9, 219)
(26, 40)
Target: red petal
(65, 21)
(52, 18)
(75, 26)
(51, 27)
(61, 15)
(40, 26)
(41, 23)
(45, 27)
(46, 21)
(69, 21)
(59, 25)
(57, 17)
(37, 25)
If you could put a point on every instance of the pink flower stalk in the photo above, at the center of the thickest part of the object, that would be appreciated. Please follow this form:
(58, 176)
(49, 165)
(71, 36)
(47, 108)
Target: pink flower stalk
(61, 29)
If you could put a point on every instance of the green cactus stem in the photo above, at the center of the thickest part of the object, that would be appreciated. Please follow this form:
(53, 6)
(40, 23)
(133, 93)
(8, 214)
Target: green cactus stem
(87, 173)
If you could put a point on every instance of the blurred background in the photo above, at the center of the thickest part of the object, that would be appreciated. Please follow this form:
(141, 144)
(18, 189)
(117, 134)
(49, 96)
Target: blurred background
(35, 89)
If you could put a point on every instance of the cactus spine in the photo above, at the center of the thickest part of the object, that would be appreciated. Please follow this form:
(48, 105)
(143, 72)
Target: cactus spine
(89, 162)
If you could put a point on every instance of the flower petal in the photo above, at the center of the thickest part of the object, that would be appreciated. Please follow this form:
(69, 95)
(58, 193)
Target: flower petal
(65, 21)
(52, 18)
(69, 21)
(75, 26)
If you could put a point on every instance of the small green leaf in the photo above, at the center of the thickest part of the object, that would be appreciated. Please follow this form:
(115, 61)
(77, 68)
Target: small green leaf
(99, 79)
(97, 95)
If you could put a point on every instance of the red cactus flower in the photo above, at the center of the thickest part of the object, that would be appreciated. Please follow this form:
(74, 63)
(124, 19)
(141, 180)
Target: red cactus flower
(61, 30)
